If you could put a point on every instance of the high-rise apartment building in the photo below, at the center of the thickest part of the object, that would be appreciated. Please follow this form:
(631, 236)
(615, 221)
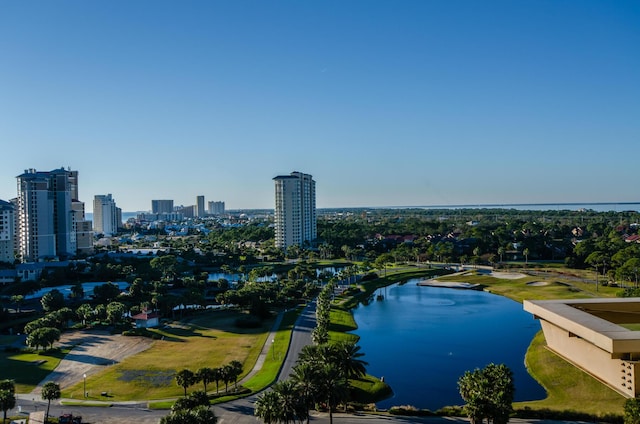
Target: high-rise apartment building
(295, 211)
(7, 220)
(45, 222)
(200, 212)
(107, 217)
(162, 206)
(216, 208)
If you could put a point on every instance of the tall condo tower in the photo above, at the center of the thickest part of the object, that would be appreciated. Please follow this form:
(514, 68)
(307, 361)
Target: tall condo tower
(200, 210)
(162, 206)
(7, 220)
(105, 215)
(295, 212)
(45, 221)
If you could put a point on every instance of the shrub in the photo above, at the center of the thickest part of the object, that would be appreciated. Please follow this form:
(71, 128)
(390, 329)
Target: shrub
(408, 410)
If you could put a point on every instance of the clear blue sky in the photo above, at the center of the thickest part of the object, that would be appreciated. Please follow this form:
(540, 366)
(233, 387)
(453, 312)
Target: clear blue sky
(385, 103)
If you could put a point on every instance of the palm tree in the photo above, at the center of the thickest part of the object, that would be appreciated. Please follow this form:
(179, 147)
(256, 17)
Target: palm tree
(347, 359)
(225, 376)
(217, 376)
(332, 387)
(184, 379)
(268, 407)
(50, 391)
(500, 252)
(236, 369)
(525, 252)
(305, 376)
(205, 375)
(290, 403)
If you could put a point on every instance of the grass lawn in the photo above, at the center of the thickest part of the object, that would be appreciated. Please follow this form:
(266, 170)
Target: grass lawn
(567, 387)
(209, 339)
(341, 321)
(27, 369)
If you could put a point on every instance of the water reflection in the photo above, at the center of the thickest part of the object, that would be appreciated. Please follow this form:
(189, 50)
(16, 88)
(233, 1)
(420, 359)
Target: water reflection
(422, 339)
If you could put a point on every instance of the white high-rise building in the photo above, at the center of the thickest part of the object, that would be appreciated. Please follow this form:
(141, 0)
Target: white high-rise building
(45, 222)
(295, 211)
(216, 208)
(106, 215)
(7, 219)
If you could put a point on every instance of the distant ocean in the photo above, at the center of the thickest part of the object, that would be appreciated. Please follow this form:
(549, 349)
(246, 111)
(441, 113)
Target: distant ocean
(598, 207)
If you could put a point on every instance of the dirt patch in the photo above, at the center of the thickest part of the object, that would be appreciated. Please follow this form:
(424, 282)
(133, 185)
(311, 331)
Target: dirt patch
(91, 352)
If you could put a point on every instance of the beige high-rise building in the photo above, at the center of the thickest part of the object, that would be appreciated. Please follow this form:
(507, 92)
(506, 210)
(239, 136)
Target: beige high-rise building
(105, 215)
(295, 211)
(46, 226)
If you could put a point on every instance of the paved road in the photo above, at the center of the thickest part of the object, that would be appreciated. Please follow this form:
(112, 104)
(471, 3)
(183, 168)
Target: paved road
(241, 411)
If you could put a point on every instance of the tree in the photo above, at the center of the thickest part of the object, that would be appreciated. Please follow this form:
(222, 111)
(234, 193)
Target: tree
(17, 300)
(206, 375)
(488, 393)
(291, 407)
(85, 312)
(7, 401)
(236, 369)
(77, 291)
(50, 391)
(115, 312)
(525, 252)
(165, 264)
(268, 407)
(52, 300)
(105, 293)
(184, 379)
(632, 411)
(332, 387)
(7, 392)
(501, 252)
(305, 378)
(347, 358)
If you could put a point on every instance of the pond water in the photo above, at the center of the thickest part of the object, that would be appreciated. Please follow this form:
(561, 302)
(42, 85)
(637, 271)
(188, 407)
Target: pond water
(422, 339)
(66, 289)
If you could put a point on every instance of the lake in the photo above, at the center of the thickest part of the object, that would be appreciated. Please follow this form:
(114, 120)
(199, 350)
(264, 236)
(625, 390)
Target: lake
(422, 339)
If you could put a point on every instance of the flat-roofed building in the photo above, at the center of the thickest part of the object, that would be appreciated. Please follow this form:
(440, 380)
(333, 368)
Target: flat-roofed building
(7, 232)
(589, 333)
(162, 206)
(295, 211)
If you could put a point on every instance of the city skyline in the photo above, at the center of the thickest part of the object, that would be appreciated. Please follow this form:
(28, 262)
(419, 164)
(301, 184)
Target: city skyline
(385, 103)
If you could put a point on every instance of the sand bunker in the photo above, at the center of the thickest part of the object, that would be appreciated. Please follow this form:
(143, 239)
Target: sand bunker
(537, 283)
(508, 275)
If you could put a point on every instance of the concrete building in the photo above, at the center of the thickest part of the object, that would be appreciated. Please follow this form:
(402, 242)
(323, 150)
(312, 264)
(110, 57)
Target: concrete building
(45, 221)
(161, 206)
(107, 218)
(200, 211)
(588, 334)
(295, 211)
(7, 232)
(216, 208)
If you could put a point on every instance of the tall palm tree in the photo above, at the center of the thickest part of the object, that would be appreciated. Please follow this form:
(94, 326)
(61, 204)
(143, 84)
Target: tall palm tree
(205, 375)
(184, 379)
(305, 377)
(290, 402)
(332, 388)
(50, 391)
(217, 376)
(236, 369)
(268, 407)
(348, 359)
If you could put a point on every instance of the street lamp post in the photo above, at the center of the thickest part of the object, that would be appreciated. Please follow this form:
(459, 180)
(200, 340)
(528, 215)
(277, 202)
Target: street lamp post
(84, 376)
